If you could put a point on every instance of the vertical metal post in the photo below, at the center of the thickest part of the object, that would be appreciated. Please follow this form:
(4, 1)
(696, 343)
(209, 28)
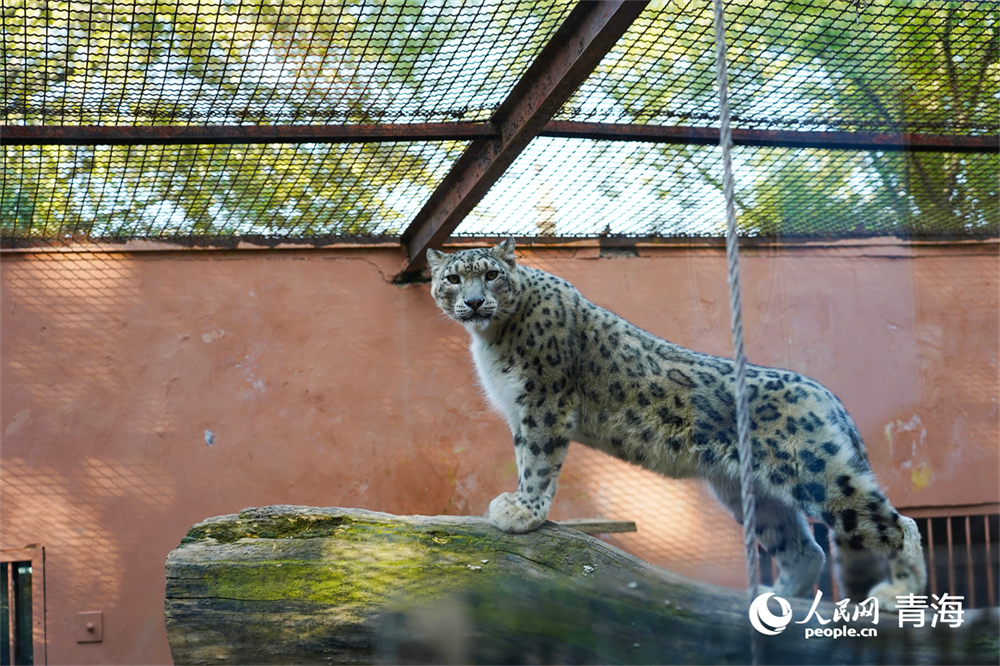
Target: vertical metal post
(930, 554)
(4, 613)
(968, 563)
(951, 559)
(23, 621)
(990, 595)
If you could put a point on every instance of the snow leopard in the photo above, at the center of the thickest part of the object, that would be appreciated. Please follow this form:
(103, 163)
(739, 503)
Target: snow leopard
(559, 368)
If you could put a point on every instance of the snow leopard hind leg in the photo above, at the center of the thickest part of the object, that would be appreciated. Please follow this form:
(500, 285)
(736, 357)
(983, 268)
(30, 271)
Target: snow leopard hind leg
(877, 552)
(819, 465)
(784, 533)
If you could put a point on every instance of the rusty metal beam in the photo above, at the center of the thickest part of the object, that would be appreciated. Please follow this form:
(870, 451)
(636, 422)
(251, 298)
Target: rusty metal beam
(13, 135)
(211, 134)
(577, 47)
(782, 138)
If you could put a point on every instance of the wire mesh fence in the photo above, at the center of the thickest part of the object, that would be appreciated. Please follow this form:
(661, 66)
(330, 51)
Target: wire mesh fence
(184, 191)
(878, 66)
(581, 188)
(266, 61)
(556, 188)
(875, 66)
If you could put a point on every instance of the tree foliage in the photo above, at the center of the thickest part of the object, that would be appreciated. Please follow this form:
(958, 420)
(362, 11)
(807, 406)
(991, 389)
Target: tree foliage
(891, 67)
(881, 66)
(247, 62)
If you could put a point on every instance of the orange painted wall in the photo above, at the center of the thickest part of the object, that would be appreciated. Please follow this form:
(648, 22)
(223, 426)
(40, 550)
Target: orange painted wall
(317, 381)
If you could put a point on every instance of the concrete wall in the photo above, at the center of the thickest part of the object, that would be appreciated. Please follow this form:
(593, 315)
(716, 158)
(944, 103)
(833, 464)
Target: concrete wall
(145, 391)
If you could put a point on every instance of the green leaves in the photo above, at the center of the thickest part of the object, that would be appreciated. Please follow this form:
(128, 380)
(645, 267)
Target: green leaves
(248, 62)
(880, 65)
(272, 190)
(266, 61)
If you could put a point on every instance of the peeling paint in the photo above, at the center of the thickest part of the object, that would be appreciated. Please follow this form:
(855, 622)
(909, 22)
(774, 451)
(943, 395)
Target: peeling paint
(921, 476)
(19, 420)
(907, 450)
(249, 368)
(212, 336)
(894, 429)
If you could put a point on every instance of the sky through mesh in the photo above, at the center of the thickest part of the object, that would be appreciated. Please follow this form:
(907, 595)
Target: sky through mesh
(267, 61)
(928, 67)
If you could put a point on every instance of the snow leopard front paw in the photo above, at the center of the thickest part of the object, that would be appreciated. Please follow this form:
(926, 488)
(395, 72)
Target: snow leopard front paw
(508, 513)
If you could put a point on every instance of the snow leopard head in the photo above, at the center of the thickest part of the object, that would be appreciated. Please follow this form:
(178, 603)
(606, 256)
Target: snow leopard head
(475, 287)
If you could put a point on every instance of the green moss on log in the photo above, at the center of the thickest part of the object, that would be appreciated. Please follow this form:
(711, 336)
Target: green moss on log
(305, 585)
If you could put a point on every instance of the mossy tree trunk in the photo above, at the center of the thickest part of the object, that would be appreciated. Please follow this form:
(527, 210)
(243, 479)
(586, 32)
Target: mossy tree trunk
(304, 585)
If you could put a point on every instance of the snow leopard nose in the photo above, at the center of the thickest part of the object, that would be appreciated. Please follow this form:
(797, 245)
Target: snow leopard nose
(474, 302)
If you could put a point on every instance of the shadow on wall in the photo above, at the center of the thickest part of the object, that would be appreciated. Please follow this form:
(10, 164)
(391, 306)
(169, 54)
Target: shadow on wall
(66, 375)
(680, 525)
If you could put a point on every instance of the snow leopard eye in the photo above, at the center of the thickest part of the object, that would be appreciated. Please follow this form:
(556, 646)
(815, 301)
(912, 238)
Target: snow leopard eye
(492, 275)
(454, 279)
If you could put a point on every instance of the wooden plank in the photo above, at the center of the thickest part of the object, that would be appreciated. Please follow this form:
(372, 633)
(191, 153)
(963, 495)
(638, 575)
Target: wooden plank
(598, 526)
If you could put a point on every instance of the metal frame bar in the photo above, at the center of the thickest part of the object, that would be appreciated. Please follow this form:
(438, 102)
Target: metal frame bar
(951, 556)
(775, 138)
(989, 563)
(36, 556)
(970, 579)
(577, 47)
(14, 135)
(951, 549)
(932, 565)
(977, 244)
(21, 609)
(5, 631)
(17, 135)
(985, 508)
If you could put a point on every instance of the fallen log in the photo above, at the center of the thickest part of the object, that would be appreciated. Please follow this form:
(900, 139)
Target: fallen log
(286, 584)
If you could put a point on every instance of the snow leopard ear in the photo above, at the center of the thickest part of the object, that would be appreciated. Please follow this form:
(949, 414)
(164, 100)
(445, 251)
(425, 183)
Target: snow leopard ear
(505, 252)
(435, 259)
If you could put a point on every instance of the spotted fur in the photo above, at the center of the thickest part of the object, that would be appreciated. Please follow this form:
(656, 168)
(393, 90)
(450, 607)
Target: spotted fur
(561, 369)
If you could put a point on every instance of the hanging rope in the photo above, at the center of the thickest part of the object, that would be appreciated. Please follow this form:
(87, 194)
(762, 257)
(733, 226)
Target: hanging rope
(736, 314)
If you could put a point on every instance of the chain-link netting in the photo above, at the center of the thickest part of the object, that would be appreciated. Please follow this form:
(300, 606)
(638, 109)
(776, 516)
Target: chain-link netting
(175, 192)
(582, 187)
(134, 62)
(927, 67)
(879, 66)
